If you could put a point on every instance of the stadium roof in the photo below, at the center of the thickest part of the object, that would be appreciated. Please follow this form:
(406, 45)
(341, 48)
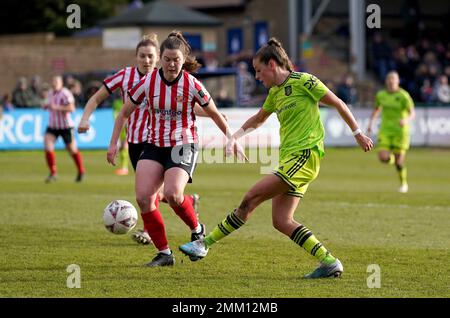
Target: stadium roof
(161, 13)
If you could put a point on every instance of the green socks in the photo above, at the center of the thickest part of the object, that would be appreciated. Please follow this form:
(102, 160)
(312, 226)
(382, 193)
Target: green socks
(304, 237)
(224, 228)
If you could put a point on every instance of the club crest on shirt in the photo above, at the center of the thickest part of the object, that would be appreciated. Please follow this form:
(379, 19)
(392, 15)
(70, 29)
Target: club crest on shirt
(288, 90)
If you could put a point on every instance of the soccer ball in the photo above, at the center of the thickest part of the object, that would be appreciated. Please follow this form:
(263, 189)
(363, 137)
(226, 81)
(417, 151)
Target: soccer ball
(120, 217)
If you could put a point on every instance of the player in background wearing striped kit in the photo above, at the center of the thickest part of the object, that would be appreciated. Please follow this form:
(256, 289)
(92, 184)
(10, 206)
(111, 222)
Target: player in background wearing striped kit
(294, 97)
(137, 124)
(60, 104)
(125, 79)
(170, 155)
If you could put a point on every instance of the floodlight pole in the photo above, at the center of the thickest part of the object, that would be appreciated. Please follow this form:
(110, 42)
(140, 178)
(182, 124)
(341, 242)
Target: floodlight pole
(357, 38)
(293, 30)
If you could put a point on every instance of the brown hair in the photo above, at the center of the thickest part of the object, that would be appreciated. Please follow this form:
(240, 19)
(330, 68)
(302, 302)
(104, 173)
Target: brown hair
(176, 41)
(148, 39)
(274, 50)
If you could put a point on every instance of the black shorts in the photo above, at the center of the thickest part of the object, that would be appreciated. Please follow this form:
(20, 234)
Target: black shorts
(135, 151)
(66, 134)
(183, 156)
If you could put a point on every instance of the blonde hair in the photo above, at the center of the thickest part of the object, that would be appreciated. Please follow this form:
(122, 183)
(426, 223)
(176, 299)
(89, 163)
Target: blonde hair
(273, 50)
(148, 40)
(176, 41)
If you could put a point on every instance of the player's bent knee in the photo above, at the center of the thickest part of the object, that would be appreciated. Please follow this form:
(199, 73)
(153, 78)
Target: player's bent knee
(173, 197)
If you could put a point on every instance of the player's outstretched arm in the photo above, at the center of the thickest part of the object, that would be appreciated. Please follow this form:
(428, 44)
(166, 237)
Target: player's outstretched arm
(331, 99)
(124, 113)
(99, 97)
(252, 123)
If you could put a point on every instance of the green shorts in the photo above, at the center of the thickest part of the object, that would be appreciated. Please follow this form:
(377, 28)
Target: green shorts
(298, 170)
(398, 143)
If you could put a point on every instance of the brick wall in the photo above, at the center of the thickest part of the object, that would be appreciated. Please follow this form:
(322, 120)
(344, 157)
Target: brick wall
(49, 59)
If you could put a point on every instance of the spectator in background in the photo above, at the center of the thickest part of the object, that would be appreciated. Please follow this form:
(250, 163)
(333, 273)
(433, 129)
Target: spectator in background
(442, 90)
(421, 74)
(405, 68)
(22, 96)
(76, 89)
(92, 88)
(382, 56)
(223, 100)
(6, 103)
(43, 95)
(346, 90)
(447, 71)
(36, 85)
(426, 91)
(431, 61)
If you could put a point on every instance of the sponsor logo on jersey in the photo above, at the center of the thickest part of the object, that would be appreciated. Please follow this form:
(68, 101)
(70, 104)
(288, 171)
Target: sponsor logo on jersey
(288, 90)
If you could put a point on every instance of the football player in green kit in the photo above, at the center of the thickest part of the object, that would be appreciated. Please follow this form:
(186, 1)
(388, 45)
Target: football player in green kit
(294, 97)
(397, 111)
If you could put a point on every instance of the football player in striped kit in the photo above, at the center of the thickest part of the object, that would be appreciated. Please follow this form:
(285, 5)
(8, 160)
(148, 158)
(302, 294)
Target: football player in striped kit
(125, 79)
(137, 124)
(60, 104)
(170, 155)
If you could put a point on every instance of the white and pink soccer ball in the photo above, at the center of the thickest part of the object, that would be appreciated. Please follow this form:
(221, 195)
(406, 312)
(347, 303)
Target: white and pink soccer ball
(120, 217)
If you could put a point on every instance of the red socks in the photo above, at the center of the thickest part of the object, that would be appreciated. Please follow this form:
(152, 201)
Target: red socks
(154, 225)
(51, 161)
(78, 161)
(186, 212)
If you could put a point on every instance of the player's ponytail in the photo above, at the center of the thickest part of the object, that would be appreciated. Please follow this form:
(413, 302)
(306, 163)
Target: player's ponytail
(176, 41)
(148, 40)
(273, 50)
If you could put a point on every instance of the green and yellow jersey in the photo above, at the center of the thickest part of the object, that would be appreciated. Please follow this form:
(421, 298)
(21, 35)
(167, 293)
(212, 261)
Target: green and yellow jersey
(394, 107)
(296, 104)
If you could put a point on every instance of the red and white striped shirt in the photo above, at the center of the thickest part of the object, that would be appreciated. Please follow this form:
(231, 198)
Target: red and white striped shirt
(137, 123)
(171, 107)
(60, 119)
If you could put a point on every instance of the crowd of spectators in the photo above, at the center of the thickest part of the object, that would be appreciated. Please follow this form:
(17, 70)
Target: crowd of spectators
(33, 92)
(423, 66)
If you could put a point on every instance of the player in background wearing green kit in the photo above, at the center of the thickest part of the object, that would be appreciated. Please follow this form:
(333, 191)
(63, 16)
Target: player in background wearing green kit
(294, 97)
(397, 111)
(123, 144)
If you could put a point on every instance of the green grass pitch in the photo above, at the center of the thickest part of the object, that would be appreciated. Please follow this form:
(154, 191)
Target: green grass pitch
(353, 208)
